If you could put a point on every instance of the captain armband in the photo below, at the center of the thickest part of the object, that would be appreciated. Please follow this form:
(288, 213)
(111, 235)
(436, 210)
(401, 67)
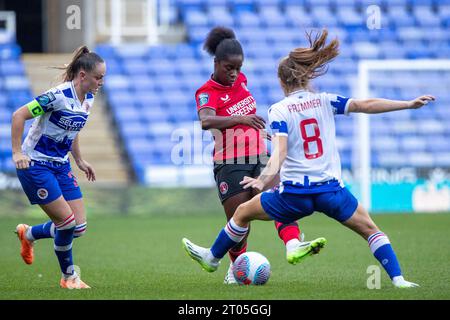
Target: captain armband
(35, 108)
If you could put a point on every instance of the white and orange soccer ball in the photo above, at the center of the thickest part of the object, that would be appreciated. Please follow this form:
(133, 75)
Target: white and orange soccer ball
(251, 268)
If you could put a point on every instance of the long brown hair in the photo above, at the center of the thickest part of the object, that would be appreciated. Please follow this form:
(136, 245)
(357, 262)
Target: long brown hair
(304, 64)
(83, 59)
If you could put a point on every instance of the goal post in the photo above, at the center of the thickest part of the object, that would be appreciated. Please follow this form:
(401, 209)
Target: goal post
(362, 162)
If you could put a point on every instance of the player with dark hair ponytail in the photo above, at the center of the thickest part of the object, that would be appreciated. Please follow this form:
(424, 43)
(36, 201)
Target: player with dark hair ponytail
(227, 108)
(43, 165)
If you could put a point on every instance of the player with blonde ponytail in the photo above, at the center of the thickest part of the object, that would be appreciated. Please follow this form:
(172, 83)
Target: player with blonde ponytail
(42, 160)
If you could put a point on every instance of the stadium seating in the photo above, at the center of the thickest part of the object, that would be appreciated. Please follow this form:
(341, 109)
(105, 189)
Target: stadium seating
(14, 92)
(151, 89)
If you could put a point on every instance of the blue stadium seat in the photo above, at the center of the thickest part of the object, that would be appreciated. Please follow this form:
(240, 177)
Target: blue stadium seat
(132, 51)
(391, 159)
(247, 19)
(197, 35)
(442, 159)
(437, 143)
(400, 17)
(117, 83)
(12, 68)
(428, 3)
(16, 82)
(387, 3)
(272, 17)
(167, 82)
(142, 82)
(289, 3)
(135, 66)
(366, 50)
(190, 4)
(195, 18)
(349, 17)
(328, 3)
(238, 6)
(323, 16)
(413, 143)
(154, 113)
(391, 50)
(426, 17)
(220, 16)
(127, 114)
(106, 51)
(133, 130)
(9, 51)
(297, 16)
(162, 67)
(420, 159)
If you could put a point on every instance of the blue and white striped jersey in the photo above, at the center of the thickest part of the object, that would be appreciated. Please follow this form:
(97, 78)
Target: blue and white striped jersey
(59, 117)
(307, 119)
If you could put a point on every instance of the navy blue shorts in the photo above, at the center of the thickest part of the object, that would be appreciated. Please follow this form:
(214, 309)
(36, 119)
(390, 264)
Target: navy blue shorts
(289, 207)
(45, 181)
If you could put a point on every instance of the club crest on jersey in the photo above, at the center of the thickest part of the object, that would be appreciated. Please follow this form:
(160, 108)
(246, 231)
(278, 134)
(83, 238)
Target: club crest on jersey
(244, 86)
(223, 187)
(203, 99)
(42, 193)
(45, 99)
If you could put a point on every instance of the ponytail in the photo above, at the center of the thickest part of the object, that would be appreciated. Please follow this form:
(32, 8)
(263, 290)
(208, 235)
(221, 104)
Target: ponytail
(304, 64)
(221, 42)
(83, 59)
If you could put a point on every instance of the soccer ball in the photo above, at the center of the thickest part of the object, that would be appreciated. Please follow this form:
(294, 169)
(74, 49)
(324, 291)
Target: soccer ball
(251, 268)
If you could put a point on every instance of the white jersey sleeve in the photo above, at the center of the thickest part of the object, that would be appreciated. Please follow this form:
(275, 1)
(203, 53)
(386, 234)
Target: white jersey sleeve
(339, 104)
(278, 121)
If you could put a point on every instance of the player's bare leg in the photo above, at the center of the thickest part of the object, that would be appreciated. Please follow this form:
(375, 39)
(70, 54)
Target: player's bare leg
(79, 211)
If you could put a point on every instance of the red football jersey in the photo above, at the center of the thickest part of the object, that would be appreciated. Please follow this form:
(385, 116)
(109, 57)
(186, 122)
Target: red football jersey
(240, 140)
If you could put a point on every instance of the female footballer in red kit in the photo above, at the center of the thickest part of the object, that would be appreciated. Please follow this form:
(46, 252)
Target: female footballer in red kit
(226, 108)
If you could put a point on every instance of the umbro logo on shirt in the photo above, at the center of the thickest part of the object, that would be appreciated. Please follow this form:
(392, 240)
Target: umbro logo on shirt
(225, 99)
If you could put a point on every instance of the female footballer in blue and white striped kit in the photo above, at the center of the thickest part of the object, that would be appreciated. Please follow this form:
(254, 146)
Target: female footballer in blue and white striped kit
(306, 154)
(42, 161)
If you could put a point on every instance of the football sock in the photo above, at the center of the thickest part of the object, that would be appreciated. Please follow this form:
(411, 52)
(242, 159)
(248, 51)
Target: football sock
(234, 253)
(382, 250)
(63, 244)
(80, 230)
(228, 237)
(41, 231)
(287, 231)
(47, 230)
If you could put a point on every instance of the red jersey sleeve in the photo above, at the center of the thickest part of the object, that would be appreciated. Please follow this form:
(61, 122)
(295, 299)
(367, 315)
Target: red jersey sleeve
(205, 99)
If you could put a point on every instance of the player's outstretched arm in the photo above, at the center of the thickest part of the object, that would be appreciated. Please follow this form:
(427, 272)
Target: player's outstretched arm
(377, 105)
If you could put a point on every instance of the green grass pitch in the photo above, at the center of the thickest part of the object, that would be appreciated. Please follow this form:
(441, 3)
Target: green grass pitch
(138, 257)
